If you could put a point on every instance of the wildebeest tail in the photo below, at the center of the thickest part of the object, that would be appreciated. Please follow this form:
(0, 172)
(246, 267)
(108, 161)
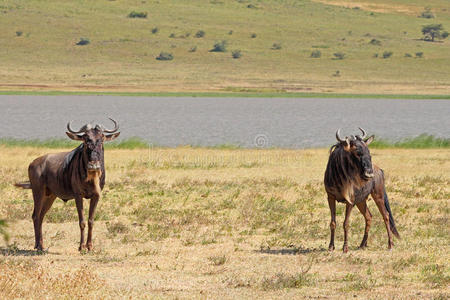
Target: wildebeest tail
(391, 218)
(24, 185)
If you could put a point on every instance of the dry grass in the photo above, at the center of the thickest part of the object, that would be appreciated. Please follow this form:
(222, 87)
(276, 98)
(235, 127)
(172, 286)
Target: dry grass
(220, 223)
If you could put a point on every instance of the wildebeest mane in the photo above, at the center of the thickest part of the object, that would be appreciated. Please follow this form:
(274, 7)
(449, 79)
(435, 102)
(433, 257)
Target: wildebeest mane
(69, 157)
(342, 168)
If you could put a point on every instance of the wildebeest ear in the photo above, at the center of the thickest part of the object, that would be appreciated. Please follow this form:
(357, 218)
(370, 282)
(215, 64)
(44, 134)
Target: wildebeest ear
(111, 137)
(74, 136)
(369, 140)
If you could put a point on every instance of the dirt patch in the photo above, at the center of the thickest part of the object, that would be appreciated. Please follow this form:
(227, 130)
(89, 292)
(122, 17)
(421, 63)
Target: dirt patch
(375, 7)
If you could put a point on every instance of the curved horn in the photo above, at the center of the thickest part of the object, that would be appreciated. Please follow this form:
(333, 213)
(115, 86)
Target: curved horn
(116, 127)
(73, 131)
(338, 136)
(364, 134)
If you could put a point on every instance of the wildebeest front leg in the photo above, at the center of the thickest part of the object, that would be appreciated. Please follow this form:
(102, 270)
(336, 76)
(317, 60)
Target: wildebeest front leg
(364, 209)
(92, 208)
(348, 210)
(332, 204)
(79, 203)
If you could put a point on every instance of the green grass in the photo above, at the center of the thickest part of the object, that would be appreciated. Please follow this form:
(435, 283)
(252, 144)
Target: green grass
(121, 52)
(130, 143)
(423, 141)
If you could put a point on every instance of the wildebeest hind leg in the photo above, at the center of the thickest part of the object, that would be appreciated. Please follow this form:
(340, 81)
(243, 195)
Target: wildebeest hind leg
(364, 209)
(380, 204)
(47, 203)
(332, 204)
(38, 197)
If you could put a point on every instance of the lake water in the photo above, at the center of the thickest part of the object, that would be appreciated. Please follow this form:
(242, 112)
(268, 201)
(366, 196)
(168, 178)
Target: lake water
(248, 122)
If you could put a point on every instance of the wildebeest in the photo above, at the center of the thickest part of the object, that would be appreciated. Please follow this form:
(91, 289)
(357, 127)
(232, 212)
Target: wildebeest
(70, 175)
(349, 178)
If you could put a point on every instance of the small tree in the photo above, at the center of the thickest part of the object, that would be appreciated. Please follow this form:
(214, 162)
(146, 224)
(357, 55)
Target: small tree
(433, 31)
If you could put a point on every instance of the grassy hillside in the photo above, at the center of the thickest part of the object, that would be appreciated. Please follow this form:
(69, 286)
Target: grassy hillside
(38, 46)
(229, 224)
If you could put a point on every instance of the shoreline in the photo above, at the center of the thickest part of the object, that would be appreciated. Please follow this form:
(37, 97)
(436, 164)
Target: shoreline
(250, 94)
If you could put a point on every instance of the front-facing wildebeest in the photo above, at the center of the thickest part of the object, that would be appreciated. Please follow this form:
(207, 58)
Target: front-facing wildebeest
(70, 175)
(349, 178)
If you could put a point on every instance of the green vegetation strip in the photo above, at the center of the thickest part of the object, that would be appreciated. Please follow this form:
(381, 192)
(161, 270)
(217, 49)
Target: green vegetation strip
(423, 141)
(239, 93)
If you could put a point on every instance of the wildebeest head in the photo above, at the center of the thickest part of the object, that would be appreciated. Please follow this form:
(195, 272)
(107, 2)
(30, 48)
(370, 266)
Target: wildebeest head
(357, 147)
(93, 138)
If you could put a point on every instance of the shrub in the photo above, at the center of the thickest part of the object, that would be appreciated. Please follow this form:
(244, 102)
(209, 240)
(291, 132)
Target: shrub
(165, 56)
(236, 54)
(193, 49)
(427, 14)
(408, 55)
(200, 34)
(276, 46)
(375, 55)
(136, 14)
(155, 30)
(253, 35)
(419, 54)
(339, 55)
(337, 73)
(230, 32)
(83, 41)
(219, 47)
(387, 54)
(19, 33)
(172, 35)
(375, 42)
(316, 54)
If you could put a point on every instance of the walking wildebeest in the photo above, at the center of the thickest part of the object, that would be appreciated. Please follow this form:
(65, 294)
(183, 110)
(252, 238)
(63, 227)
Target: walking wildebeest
(350, 178)
(70, 175)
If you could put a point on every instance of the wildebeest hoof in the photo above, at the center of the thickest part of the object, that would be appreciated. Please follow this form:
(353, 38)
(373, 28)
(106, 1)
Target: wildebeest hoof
(345, 249)
(331, 248)
(89, 246)
(82, 247)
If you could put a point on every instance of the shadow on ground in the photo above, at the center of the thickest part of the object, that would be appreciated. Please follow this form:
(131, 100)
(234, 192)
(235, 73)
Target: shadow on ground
(13, 251)
(290, 251)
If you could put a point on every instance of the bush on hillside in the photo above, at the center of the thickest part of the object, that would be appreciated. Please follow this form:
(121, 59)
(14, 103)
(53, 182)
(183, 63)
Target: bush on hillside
(387, 54)
(136, 14)
(219, 47)
(83, 41)
(316, 54)
(165, 56)
(200, 34)
(339, 55)
(236, 54)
